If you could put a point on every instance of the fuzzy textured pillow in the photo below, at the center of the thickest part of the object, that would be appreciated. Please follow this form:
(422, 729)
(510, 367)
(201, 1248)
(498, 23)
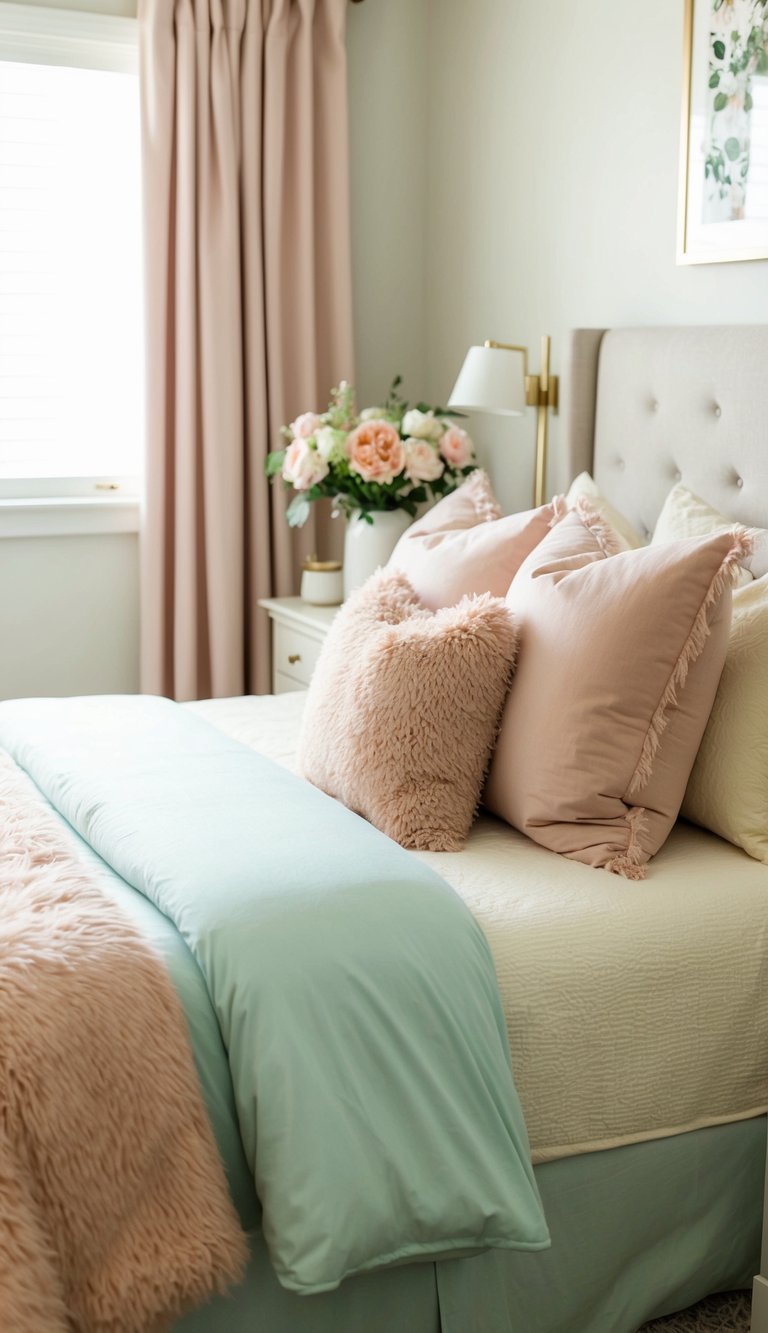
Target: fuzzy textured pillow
(687, 515)
(463, 546)
(403, 709)
(585, 488)
(620, 656)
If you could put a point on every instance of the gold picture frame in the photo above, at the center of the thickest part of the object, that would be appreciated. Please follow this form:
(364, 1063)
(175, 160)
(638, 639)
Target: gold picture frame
(723, 178)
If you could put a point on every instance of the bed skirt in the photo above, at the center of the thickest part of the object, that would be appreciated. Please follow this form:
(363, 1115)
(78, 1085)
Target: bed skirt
(637, 1232)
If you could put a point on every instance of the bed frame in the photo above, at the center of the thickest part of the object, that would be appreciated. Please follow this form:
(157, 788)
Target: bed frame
(645, 408)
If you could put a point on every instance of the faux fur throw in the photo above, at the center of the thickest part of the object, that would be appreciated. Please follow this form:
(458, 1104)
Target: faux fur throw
(114, 1211)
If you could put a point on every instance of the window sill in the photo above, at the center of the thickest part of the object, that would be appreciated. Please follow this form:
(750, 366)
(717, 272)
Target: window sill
(69, 516)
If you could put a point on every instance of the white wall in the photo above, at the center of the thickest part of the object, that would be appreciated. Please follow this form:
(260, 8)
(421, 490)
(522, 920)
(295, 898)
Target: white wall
(121, 8)
(69, 622)
(388, 89)
(552, 148)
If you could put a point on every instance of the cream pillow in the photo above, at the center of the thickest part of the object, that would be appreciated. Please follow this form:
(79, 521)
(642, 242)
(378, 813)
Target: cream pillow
(687, 515)
(728, 788)
(586, 487)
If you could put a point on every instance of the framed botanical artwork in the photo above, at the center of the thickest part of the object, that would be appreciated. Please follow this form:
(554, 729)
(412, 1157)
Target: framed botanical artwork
(723, 205)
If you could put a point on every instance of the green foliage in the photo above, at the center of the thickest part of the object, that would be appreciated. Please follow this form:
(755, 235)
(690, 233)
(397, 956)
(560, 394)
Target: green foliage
(274, 463)
(731, 67)
(394, 404)
(297, 512)
(732, 148)
(341, 410)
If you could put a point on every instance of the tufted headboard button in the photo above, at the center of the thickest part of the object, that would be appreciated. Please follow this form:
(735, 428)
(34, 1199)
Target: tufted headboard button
(739, 482)
(717, 409)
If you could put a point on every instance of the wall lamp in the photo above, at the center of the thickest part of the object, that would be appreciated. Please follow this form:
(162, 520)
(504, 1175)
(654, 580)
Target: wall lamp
(492, 380)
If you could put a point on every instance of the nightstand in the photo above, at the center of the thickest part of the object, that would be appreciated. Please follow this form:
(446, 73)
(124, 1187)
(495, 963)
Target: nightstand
(298, 630)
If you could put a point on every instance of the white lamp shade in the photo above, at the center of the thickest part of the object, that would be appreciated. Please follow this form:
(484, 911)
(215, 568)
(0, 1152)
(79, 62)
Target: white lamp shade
(491, 380)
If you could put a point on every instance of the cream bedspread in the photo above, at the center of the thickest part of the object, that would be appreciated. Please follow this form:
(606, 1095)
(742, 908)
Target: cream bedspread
(634, 1010)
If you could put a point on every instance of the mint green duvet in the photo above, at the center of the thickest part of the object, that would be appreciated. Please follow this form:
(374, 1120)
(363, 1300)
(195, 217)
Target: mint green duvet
(635, 1232)
(358, 1033)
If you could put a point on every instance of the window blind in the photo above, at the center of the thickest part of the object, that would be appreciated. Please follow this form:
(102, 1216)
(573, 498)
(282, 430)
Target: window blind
(71, 402)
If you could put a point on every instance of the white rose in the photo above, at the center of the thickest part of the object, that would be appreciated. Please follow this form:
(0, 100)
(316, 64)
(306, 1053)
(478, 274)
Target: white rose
(303, 466)
(305, 425)
(331, 444)
(422, 425)
(373, 414)
(422, 461)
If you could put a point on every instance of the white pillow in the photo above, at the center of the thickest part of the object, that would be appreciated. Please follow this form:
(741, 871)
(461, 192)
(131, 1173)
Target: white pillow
(584, 485)
(687, 515)
(728, 788)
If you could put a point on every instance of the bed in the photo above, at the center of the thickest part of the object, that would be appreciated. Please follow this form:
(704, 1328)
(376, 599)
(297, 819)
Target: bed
(642, 1220)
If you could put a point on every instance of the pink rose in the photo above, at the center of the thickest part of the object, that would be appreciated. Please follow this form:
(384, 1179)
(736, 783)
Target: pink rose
(305, 425)
(376, 451)
(422, 461)
(303, 466)
(456, 447)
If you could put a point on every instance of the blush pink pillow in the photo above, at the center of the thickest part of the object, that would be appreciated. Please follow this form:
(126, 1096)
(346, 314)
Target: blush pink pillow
(403, 709)
(620, 658)
(463, 546)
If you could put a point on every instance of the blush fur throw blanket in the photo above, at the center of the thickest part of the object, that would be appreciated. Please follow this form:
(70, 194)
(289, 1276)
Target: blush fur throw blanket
(114, 1211)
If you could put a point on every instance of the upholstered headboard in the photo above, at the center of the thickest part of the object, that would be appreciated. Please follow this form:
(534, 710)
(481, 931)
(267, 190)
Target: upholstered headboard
(645, 408)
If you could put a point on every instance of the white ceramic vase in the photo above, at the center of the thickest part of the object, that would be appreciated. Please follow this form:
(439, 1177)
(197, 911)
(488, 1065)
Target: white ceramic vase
(368, 545)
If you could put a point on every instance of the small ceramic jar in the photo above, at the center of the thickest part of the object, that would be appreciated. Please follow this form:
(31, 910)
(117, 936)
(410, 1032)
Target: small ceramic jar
(322, 582)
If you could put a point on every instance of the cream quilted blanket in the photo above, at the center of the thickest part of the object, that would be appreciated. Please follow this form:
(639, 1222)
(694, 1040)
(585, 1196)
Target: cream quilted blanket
(634, 1010)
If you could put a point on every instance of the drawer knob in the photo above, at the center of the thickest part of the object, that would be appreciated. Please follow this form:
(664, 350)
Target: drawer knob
(294, 657)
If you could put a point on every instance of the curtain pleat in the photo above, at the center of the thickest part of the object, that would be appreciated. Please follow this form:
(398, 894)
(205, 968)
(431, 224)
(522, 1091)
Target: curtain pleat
(248, 315)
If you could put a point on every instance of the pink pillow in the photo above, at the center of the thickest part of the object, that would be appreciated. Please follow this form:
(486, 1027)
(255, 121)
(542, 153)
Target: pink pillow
(403, 709)
(463, 546)
(620, 657)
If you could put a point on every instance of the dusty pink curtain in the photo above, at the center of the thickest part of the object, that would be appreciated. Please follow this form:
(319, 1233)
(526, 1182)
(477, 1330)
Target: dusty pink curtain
(244, 111)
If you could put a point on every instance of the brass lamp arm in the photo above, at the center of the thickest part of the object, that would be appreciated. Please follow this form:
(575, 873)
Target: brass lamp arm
(541, 392)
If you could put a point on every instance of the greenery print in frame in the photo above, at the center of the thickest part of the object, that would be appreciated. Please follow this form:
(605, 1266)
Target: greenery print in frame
(723, 211)
(738, 42)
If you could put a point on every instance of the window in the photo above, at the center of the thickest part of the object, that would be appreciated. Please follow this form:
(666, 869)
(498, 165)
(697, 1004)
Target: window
(71, 393)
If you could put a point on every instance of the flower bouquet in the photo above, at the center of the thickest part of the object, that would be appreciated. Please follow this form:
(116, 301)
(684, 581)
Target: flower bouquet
(384, 458)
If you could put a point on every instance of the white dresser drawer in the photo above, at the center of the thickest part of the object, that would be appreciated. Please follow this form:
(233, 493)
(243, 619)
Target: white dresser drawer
(294, 654)
(298, 631)
(282, 684)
